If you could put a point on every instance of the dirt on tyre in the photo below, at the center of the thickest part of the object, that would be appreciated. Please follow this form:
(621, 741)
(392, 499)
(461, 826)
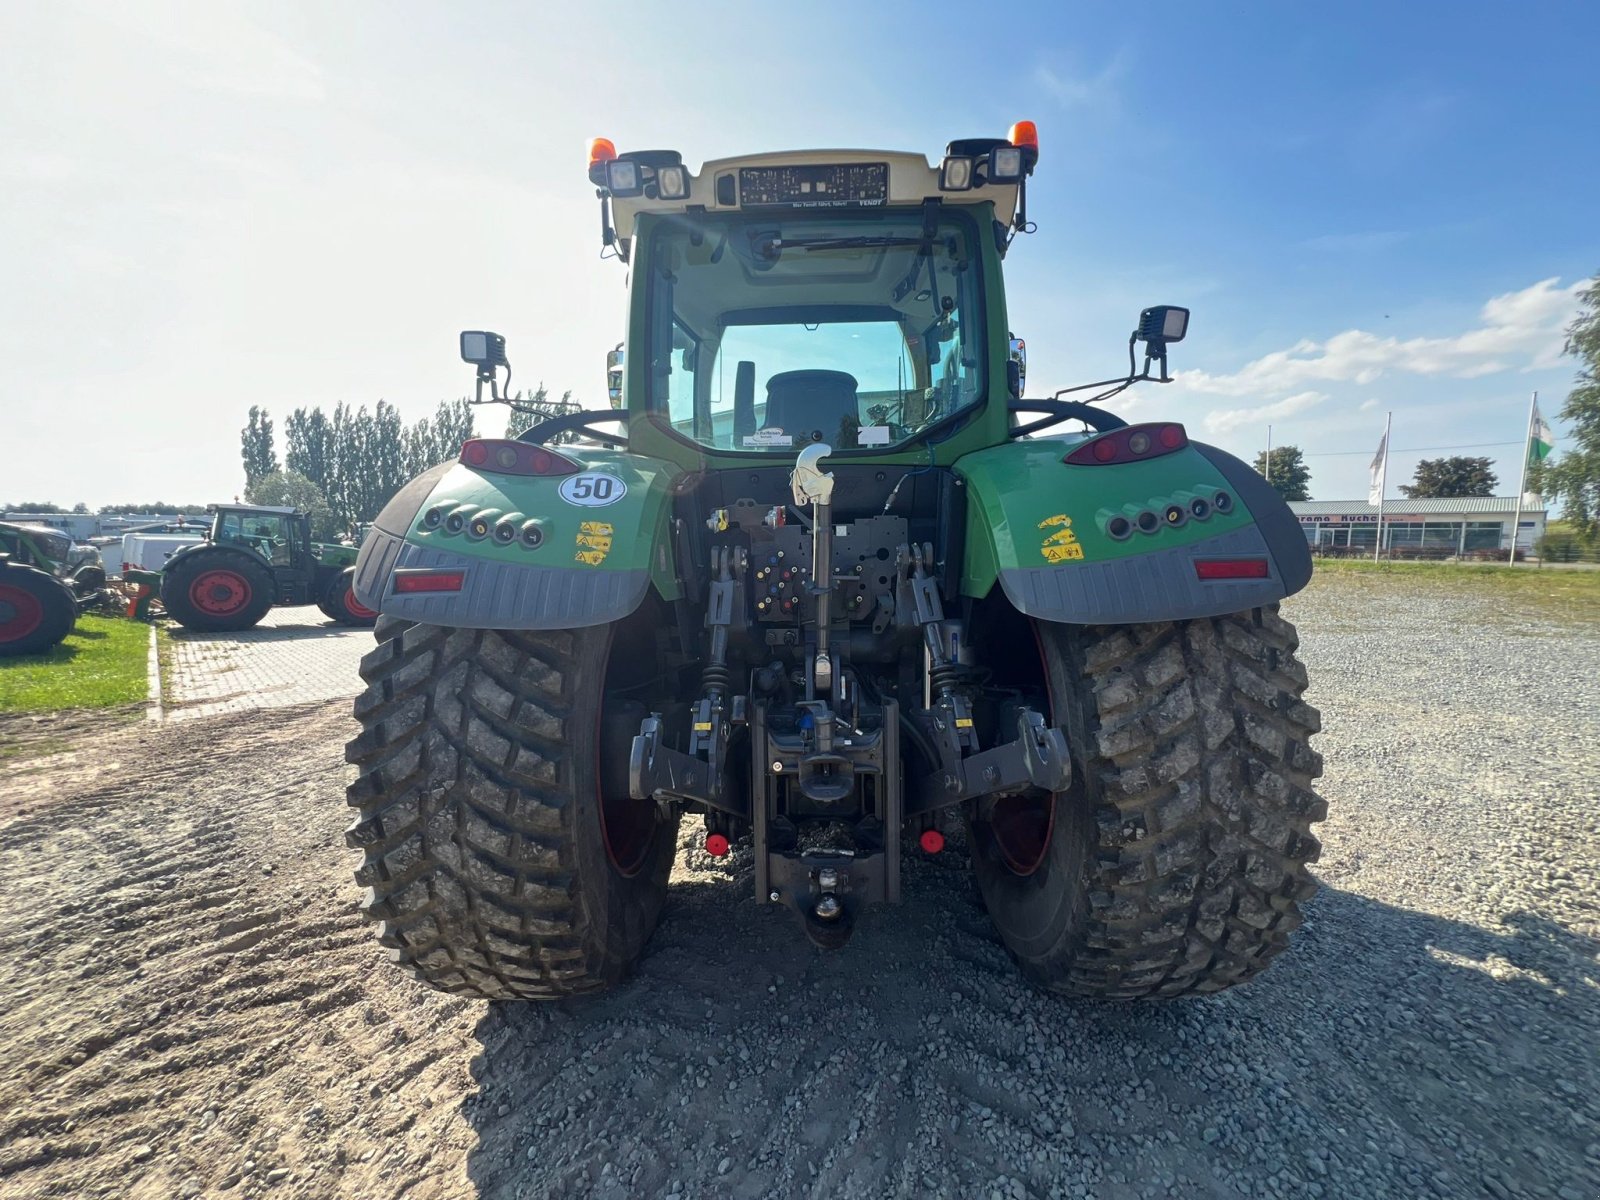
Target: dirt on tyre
(37, 611)
(340, 604)
(1178, 860)
(217, 589)
(503, 857)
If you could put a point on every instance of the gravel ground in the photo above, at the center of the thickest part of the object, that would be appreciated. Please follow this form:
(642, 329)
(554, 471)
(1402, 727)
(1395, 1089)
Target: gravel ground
(194, 1009)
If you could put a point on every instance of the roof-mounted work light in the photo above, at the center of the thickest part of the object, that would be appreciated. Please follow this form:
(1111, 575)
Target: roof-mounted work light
(672, 183)
(1006, 164)
(623, 177)
(956, 174)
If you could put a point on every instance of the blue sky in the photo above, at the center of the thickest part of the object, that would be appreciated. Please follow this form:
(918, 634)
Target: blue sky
(208, 206)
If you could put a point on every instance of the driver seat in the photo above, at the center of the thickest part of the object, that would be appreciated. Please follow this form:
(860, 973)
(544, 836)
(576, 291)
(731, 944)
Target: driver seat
(811, 405)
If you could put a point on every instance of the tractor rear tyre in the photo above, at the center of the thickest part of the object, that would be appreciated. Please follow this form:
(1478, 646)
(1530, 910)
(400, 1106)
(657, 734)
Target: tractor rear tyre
(37, 610)
(1177, 861)
(339, 602)
(217, 590)
(504, 858)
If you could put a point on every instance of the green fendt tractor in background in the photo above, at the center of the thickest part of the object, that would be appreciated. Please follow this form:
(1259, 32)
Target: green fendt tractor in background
(826, 579)
(255, 557)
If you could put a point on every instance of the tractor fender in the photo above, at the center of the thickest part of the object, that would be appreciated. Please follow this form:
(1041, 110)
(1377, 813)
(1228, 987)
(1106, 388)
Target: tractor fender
(599, 538)
(1044, 530)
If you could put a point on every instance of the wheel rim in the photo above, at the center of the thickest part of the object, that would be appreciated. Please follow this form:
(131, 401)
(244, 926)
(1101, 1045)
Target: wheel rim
(20, 613)
(220, 593)
(357, 609)
(1021, 825)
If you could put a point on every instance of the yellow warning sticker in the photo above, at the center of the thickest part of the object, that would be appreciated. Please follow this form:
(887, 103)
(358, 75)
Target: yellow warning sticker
(593, 557)
(594, 541)
(963, 722)
(702, 726)
(595, 528)
(1062, 545)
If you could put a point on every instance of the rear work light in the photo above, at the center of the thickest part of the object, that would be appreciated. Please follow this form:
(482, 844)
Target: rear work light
(515, 458)
(1232, 568)
(1132, 444)
(424, 579)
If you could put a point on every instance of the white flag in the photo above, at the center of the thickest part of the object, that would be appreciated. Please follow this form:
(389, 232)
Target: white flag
(1375, 487)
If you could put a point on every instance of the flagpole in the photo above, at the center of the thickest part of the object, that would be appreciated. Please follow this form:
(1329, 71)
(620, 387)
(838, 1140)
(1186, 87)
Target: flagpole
(1522, 481)
(1383, 485)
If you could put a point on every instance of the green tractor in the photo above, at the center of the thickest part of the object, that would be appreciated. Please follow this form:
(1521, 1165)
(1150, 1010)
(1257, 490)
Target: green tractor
(255, 557)
(825, 578)
(41, 590)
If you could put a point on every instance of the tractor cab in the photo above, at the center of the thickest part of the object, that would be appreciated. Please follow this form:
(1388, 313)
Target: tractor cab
(281, 536)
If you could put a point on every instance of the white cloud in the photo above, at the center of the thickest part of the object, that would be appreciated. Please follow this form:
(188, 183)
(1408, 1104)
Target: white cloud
(217, 48)
(1523, 328)
(1082, 91)
(1368, 405)
(1224, 421)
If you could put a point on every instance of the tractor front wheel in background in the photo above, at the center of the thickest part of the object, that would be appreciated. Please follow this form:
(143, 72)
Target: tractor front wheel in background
(36, 610)
(217, 590)
(1177, 860)
(504, 858)
(339, 602)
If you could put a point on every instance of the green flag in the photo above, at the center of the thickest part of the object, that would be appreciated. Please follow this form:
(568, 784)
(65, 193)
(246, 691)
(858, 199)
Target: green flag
(1541, 438)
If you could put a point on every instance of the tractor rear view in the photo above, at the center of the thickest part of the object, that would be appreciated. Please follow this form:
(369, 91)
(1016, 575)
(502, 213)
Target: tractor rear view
(825, 579)
(256, 557)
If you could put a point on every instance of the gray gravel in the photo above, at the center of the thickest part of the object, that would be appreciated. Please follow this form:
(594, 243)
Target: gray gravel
(1430, 1034)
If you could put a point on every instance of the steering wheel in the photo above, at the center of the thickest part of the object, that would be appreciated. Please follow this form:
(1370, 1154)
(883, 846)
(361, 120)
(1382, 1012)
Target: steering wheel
(580, 422)
(1064, 410)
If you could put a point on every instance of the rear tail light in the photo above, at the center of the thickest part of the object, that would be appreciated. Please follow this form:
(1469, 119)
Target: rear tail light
(1131, 444)
(414, 579)
(515, 458)
(1232, 568)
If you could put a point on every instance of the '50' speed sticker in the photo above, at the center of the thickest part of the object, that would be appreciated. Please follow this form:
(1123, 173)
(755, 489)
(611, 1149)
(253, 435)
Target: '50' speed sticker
(592, 489)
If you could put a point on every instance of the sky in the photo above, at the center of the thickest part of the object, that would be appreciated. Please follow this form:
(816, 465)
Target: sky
(208, 206)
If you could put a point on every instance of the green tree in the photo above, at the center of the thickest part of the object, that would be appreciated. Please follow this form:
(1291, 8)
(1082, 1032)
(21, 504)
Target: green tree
(33, 506)
(1289, 474)
(1573, 477)
(528, 411)
(260, 458)
(292, 489)
(1455, 476)
(80, 508)
(308, 445)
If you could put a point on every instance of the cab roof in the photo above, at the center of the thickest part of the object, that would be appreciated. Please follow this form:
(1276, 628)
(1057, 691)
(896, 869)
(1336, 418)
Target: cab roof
(911, 180)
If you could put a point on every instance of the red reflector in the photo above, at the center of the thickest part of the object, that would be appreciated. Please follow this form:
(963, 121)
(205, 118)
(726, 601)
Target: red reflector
(413, 580)
(515, 458)
(931, 841)
(1232, 568)
(716, 845)
(1105, 450)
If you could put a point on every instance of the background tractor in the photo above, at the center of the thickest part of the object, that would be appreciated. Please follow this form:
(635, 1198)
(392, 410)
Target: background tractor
(824, 579)
(37, 610)
(255, 557)
(52, 551)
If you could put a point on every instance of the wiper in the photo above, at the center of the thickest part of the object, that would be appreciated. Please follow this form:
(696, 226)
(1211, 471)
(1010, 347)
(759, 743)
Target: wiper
(772, 247)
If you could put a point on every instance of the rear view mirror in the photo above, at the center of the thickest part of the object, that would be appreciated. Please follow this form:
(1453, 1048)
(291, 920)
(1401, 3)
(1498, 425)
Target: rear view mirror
(1017, 368)
(482, 349)
(614, 376)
